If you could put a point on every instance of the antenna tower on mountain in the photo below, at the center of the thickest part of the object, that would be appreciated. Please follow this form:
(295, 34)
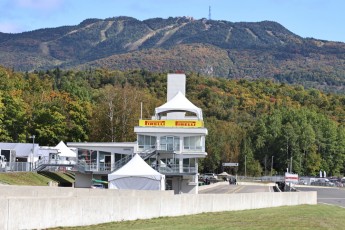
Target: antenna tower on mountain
(209, 13)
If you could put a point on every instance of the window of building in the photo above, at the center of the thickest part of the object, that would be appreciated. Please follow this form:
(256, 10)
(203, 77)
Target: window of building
(104, 161)
(189, 165)
(119, 156)
(186, 162)
(192, 143)
(170, 143)
(87, 156)
(146, 142)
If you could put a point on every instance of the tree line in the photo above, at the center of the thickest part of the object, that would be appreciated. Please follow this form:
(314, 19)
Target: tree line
(264, 126)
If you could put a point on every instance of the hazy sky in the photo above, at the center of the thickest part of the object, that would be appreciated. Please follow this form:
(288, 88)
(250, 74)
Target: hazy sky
(321, 19)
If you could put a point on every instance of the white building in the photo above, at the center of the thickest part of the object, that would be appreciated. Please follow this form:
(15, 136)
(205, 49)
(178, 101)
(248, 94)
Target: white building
(171, 142)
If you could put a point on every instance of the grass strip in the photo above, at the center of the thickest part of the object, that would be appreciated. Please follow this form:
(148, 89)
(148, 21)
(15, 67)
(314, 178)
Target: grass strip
(287, 217)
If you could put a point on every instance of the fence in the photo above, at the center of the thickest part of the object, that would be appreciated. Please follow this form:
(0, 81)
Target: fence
(17, 167)
(28, 166)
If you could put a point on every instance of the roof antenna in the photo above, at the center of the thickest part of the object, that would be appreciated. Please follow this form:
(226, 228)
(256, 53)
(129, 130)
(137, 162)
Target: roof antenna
(209, 13)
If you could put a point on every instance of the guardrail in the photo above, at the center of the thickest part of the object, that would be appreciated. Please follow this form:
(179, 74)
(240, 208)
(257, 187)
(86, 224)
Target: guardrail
(174, 169)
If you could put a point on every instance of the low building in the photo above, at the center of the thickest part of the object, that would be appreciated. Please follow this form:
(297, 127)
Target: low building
(32, 157)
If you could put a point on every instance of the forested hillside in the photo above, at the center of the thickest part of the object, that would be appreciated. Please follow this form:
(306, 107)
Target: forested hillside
(259, 120)
(224, 49)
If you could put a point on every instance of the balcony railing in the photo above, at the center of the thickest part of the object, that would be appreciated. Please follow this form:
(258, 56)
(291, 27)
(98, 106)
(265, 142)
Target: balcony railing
(175, 169)
(88, 166)
(83, 166)
(107, 168)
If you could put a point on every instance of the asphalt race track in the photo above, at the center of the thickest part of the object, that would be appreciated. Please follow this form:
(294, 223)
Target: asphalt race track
(226, 188)
(327, 195)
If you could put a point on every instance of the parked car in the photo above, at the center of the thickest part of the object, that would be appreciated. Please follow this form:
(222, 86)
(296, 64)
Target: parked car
(337, 182)
(210, 176)
(323, 182)
(302, 182)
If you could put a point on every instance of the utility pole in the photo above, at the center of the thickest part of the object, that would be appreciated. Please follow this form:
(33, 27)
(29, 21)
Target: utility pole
(291, 165)
(265, 165)
(245, 165)
(32, 154)
(209, 13)
(272, 166)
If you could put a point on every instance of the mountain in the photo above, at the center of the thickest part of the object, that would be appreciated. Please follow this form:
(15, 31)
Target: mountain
(209, 47)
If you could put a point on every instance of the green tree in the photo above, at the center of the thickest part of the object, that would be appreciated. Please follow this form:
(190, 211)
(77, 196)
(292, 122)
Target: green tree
(313, 164)
(78, 117)
(116, 113)
(4, 135)
(14, 118)
(248, 165)
(213, 147)
(307, 143)
(49, 126)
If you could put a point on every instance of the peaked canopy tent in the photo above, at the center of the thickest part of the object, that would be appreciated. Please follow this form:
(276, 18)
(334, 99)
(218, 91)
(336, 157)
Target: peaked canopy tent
(179, 103)
(64, 151)
(224, 174)
(136, 175)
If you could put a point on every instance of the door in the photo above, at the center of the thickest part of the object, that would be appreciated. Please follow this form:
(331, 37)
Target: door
(107, 162)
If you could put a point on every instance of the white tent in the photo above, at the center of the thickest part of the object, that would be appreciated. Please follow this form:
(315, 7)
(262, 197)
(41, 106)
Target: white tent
(66, 155)
(179, 103)
(224, 174)
(136, 175)
(64, 151)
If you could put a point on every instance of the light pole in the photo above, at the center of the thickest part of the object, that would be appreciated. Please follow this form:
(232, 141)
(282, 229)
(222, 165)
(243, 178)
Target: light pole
(291, 165)
(272, 166)
(33, 148)
(245, 165)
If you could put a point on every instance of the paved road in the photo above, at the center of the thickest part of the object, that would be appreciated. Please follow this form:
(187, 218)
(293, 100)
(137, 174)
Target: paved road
(326, 195)
(334, 196)
(223, 189)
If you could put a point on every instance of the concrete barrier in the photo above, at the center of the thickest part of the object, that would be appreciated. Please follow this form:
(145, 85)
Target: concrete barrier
(46, 191)
(86, 206)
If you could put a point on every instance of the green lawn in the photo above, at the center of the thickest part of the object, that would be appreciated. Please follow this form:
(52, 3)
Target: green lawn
(288, 217)
(35, 179)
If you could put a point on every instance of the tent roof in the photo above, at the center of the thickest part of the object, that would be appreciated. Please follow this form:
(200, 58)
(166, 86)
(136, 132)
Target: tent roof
(179, 103)
(64, 151)
(224, 174)
(135, 167)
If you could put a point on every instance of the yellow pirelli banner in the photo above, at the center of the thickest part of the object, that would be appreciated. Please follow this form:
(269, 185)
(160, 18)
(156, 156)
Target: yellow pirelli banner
(171, 123)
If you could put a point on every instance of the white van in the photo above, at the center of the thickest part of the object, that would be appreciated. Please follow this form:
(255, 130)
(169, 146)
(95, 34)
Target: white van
(210, 176)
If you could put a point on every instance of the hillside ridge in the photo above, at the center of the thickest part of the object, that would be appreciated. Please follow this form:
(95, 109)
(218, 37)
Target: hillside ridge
(263, 49)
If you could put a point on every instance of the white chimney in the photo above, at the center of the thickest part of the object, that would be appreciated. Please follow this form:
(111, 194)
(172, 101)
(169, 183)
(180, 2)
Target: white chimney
(176, 83)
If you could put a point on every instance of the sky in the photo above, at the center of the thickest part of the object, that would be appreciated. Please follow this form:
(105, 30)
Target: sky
(320, 19)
